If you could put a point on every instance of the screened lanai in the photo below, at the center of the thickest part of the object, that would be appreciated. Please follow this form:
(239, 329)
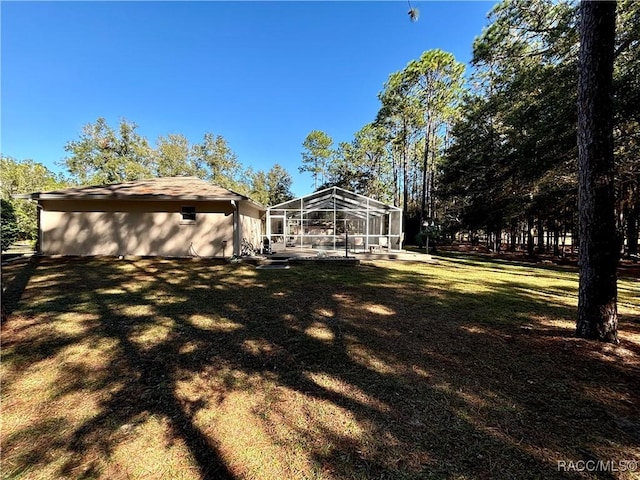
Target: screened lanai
(334, 219)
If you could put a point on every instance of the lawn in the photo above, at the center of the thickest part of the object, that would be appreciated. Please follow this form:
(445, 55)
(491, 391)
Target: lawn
(178, 369)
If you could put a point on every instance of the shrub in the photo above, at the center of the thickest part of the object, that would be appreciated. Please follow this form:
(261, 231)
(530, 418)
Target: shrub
(8, 224)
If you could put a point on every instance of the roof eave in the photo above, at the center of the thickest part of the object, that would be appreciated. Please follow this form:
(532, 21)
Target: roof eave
(255, 204)
(146, 198)
(150, 198)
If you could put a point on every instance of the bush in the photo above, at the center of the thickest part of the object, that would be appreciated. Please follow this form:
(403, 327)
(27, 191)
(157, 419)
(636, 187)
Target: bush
(8, 224)
(26, 219)
(421, 239)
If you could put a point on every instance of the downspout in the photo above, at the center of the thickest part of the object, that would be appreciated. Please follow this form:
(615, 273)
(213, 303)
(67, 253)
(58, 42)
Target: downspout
(301, 225)
(236, 228)
(39, 221)
(335, 225)
(367, 232)
(267, 226)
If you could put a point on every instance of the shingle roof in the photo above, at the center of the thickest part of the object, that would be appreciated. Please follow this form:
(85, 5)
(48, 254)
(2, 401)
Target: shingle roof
(164, 188)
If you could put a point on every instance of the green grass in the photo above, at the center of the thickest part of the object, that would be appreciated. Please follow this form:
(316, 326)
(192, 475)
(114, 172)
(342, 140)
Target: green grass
(191, 369)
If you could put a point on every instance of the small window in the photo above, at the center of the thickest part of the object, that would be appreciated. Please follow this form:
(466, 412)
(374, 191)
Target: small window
(188, 214)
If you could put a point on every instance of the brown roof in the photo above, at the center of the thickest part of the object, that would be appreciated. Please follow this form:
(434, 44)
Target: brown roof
(165, 188)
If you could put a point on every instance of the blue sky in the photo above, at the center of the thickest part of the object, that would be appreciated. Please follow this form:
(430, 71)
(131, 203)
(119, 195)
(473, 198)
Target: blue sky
(261, 74)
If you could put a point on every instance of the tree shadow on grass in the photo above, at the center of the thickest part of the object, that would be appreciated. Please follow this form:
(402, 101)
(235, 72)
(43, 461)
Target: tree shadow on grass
(18, 277)
(337, 373)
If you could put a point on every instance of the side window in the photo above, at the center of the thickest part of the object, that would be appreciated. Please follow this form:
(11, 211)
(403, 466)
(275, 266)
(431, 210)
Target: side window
(188, 214)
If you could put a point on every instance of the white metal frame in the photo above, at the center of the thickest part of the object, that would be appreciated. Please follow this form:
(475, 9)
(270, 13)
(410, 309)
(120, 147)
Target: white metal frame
(338, 202)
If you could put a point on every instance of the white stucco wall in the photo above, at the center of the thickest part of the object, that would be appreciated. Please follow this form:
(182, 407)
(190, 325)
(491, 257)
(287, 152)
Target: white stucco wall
(115, 227)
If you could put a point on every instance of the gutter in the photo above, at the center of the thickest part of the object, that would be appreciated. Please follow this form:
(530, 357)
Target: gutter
(145, 198)
(236, 228)
(149, 198)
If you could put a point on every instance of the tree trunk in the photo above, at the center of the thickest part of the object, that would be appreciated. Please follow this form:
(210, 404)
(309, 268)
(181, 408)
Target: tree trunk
(513, 236)
(632, 230)
(598, 254)
(405, 175)
(396, 187)
(432, 187)
(540, 228)
(425, 168)
(530, 235)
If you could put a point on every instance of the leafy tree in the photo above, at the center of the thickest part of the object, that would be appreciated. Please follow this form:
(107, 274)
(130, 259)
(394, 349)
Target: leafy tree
(434, 83)
(279, 184)
(174, 157)
(370, 144)
(363, 165)
(400, 117)
(220, 163)
(316, 156)
(471, 170)
(346, 171)
(626, 89)
(9, 225)
(26, 176)
(259, 190)
(271, 188)
(104, 156)
(524, 78)
(512, 162)
(418, 106)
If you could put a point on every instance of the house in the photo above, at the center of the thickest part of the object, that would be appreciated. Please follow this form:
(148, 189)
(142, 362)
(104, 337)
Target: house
(171, 216)
(335, 218)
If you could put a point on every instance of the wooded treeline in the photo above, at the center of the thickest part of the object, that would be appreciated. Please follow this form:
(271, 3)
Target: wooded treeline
(494, 154)
(19, 216)
(104, 155)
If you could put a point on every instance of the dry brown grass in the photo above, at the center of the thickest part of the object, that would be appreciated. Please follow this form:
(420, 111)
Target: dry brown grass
(188, 369)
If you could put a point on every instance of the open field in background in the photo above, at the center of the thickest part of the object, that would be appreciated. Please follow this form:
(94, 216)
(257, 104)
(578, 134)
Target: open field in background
(183, 369)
